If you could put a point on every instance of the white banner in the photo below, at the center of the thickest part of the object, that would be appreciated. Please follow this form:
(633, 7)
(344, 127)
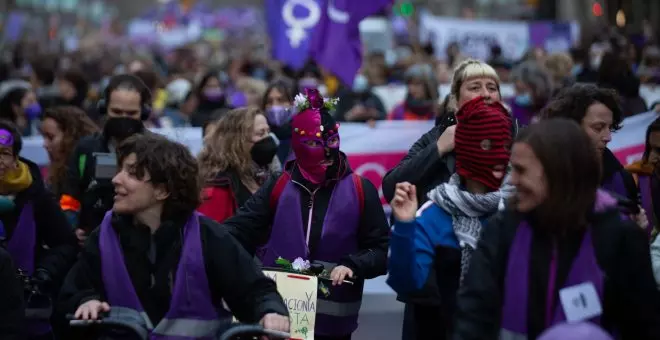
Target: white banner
(374, 151)
(476, 37)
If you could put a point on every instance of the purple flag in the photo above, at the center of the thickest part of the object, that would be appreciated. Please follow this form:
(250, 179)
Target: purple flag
(336, 44)
(291, 24)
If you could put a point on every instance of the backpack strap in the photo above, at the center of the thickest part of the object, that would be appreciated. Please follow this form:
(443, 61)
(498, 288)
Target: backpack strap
(277, 189)
(357, 180)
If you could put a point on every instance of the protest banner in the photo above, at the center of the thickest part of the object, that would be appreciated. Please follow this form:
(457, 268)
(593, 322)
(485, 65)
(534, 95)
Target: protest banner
(299, 292)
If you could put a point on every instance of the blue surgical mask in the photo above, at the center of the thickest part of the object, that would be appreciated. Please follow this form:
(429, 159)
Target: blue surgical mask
(214, 94)
(360, 84)
(576, 70)
(308, 83)
(278, 115)
(33, 111)
(390, 58)
(523, 100)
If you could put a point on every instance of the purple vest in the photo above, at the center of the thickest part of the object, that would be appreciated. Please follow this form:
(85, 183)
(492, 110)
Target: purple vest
(192, 315)
(337, 314)
(647, 200)
(585, 268)
(22, 247)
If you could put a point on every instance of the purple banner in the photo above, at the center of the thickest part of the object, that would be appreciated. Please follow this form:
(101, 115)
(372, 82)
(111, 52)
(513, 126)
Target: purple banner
(336, 45)
(553, 37)
(14, 26)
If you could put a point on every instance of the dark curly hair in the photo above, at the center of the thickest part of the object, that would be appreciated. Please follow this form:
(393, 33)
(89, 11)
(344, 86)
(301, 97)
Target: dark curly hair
(169, 164)
(572, 103)
(75, 124)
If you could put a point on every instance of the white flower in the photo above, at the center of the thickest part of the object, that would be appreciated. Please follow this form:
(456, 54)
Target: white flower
(300, 265)
(300, 101)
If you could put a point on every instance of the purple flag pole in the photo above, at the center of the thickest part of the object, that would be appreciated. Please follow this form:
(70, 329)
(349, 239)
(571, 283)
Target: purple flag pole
(336, 44)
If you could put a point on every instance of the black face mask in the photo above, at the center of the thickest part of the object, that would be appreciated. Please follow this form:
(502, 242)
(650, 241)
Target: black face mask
(264, 151)
(120, 128)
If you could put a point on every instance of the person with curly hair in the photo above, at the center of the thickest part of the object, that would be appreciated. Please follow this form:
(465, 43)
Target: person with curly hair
(599, 113)
(156, 258)
(62, 127)
(238, 156)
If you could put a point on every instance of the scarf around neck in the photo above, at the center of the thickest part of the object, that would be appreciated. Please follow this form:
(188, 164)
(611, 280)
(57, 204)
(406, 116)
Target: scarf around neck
(466, 209)
(16, 180)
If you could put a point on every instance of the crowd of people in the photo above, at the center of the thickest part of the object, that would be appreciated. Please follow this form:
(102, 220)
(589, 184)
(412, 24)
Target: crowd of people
(511, 219)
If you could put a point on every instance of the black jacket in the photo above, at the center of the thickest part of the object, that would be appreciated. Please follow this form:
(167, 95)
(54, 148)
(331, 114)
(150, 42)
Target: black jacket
(251, 226)
(95, 196)
(612, 166)
(631, 303)
(53, 229)
(423, 166)
(230, 270)
(12, 308)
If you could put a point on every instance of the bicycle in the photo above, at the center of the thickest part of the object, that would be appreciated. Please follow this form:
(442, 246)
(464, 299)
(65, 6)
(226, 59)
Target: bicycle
(126, 325)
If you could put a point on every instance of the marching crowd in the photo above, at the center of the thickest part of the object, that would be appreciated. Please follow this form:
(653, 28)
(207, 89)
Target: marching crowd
(510, 219)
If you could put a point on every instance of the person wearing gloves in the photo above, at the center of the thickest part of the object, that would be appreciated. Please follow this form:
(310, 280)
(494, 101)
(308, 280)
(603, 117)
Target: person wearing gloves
(319, 210)
(33, 229)
(429, 163)
(446, 229)
(156, 258)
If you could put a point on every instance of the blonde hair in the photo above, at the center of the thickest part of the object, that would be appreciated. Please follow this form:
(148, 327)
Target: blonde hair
(227, 146)
(247, 84)
(469, 68)
(559, 66)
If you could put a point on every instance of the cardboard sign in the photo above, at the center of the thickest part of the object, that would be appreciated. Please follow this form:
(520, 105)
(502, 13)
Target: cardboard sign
(299, 294)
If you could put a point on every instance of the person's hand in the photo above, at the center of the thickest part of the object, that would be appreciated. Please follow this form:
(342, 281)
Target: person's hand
(446, 141)
(81, 235)
(404, 204)
(275, 322)
(656, 108)
(371, 123)
(339, 274)
(641, 219)
(91, 309)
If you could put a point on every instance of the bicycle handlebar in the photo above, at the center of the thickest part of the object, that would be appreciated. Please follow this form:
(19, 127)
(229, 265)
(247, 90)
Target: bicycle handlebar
(109, 321)
(233, 331)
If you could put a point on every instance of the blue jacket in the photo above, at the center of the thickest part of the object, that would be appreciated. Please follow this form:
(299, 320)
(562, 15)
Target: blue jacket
(414, 244)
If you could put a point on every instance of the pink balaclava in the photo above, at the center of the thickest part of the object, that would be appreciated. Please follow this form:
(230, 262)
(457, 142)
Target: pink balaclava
(315, 137)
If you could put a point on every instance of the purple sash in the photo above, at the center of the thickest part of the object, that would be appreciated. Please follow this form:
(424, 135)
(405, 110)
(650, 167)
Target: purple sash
(192, 315)
(22, 247)
(336, 314)
(584, 269)
(23, 241)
